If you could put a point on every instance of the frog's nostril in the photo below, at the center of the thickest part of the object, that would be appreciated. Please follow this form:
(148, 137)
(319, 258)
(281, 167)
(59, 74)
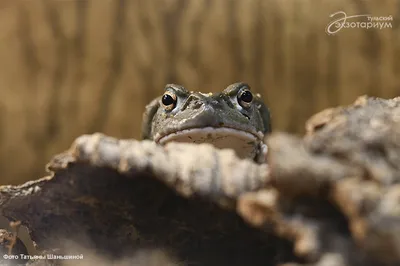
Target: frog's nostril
(193, 101)
(197, 104)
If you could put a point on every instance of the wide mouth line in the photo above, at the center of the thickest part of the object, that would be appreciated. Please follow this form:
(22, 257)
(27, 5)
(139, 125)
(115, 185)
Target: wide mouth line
(215, 129)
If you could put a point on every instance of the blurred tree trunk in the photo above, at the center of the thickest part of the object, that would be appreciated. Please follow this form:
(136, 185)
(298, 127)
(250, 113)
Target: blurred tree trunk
(74, 67)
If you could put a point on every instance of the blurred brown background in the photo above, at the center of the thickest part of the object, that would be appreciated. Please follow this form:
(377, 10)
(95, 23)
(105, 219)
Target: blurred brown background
(71, 67)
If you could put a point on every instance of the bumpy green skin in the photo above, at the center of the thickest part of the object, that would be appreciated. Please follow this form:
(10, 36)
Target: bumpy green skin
(198, 110)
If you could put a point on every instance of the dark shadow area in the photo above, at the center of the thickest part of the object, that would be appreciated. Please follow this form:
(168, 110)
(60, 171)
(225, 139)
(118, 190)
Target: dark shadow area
(115, 215)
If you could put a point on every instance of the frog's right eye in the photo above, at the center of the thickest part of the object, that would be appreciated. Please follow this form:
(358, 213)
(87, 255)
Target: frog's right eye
(168, 100)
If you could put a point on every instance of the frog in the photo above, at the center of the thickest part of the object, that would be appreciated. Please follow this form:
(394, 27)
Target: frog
(235, 119)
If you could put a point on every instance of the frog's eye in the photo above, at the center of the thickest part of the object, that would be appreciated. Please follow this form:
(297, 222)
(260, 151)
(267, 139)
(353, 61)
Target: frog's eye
(245, 98)
(168, 100)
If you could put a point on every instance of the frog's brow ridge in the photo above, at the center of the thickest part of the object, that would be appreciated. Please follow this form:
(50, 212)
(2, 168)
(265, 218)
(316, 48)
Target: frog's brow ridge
(177, 88)
(235, 87)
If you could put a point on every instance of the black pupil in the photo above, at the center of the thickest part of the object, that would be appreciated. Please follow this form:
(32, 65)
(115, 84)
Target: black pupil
(246, 96)
(167, 99)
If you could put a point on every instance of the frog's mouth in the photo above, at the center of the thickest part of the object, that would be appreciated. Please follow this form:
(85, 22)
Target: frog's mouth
(244, 143)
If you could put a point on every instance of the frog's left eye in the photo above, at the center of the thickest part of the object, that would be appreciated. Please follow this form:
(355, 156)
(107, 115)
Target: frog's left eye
(245, 98)
(168, 100)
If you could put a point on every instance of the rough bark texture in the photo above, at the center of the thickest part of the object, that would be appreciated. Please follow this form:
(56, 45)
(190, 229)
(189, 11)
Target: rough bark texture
(10, 244)
(330, 198)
